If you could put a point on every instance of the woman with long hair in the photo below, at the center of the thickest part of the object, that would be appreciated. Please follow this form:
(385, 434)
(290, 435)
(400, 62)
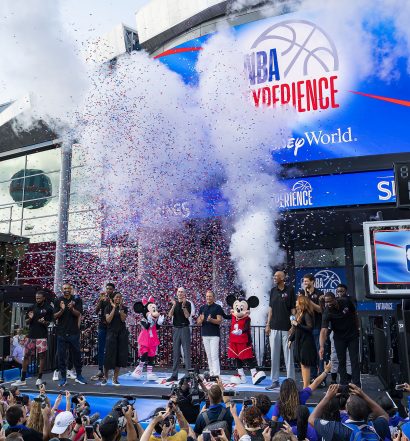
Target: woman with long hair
(302, 335)
(35, 420)
(290, 397)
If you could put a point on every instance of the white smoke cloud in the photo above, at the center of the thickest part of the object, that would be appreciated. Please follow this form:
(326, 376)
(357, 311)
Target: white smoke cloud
(38, 57)
(143, 131)
(242, 137)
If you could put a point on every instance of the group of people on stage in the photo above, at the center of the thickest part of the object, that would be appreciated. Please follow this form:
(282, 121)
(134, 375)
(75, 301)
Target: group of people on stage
(299, 324)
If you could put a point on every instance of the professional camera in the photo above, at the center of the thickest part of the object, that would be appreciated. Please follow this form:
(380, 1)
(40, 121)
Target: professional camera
(188, 395)
(121, 406)
(76, 398)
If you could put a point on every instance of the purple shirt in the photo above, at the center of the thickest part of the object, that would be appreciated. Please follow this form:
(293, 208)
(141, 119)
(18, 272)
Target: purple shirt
(304, 395)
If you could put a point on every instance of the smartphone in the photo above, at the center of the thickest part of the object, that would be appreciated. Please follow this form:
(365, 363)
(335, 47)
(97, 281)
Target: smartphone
(215, 433)
(89, 430)
(229, 393)
(400, 386)
(247, 402)
(206, 435)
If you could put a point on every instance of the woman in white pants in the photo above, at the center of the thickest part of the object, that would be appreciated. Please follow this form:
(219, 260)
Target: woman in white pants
(210, 317)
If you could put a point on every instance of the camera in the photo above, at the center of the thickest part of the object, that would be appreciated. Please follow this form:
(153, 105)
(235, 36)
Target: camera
(210, 377)
(121, 406)
(75, 399)
(343, 389)
(229, 393)
(22, 399)
(275, 426)
(39, 386)
(89, 430)
(247, 402)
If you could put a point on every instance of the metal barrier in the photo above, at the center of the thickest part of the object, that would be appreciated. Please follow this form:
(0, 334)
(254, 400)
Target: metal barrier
(89, 347)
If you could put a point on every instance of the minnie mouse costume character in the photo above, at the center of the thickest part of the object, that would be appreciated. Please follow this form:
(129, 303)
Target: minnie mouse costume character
(240, 341)
(148, 340)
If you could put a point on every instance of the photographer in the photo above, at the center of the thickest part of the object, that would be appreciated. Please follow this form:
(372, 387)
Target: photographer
(358, 406)
(163, 423)
(110, 429)
(217, 414)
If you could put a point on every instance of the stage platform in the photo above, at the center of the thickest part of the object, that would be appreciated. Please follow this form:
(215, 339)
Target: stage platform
(155, 390)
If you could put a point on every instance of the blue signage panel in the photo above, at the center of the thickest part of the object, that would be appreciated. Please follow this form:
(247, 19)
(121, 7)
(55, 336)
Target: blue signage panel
(375, 187)
(326, 279)
(339, 115)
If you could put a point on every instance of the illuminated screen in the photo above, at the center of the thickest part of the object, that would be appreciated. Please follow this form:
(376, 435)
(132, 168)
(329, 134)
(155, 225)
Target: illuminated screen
(387, 249)
(392, 256)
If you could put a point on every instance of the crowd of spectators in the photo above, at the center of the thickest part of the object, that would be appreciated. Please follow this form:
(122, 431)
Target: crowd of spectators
(345, 413)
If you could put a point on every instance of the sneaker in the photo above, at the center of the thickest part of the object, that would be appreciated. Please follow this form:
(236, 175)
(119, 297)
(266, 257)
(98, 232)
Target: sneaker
(80, 379)
(104, 382)
(71, 375)
(115, 382)
(237, 379)
(152, 377)
(39, 381)
(62, 382)
(19, 383)
(97, 377)
(55, 375)
(172, 378)
(274, 385)
(137, 375)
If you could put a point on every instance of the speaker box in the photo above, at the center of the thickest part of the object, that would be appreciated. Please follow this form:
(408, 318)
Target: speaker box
(4, 345)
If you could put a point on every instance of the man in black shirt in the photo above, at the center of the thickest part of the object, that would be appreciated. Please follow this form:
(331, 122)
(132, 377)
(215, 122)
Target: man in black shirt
(210, 318)
(341, 315)
(282, 305)
(314, 295)
(38, 318)
(103, 302)
(179, 313)
(67, 311)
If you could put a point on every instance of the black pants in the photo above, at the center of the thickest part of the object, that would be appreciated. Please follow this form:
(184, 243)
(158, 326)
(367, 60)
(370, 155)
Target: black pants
(72, 343)
(352, 345)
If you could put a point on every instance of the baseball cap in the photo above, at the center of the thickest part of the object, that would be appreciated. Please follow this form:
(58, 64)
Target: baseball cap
(62, 421)
(405, 428)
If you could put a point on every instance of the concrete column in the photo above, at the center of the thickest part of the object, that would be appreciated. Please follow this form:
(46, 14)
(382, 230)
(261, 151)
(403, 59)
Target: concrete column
(63, 207)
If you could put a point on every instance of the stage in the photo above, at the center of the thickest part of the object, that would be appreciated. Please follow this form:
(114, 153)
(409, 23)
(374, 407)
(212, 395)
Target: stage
(143, 389)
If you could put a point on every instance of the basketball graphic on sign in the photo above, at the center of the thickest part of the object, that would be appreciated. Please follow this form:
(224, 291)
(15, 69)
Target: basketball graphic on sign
(302, 186)
(328, 280)
(304, 48)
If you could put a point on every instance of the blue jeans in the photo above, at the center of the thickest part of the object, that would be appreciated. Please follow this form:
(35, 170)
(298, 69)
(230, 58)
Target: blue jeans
(102, 336)
(314, 372)
(72, 343)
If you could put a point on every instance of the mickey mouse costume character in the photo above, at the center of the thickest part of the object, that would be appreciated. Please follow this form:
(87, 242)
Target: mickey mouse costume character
(240, 341)
(148, 340)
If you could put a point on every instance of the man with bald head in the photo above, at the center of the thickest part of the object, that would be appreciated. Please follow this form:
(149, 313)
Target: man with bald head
(180, 313)
(282, 304)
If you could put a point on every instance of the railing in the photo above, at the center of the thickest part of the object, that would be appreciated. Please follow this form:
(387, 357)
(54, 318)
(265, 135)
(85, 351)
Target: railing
(89, 347)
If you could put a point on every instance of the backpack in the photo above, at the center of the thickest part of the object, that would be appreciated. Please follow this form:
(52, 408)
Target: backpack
(364, 432)
(219, 423)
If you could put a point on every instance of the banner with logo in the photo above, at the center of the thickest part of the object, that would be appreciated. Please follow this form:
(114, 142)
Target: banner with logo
(295, 60)
(326, 279)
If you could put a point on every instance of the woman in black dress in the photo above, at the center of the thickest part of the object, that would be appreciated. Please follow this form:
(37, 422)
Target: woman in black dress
(116, 346)
(302, 334)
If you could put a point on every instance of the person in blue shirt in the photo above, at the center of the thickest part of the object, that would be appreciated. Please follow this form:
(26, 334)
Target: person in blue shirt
(358, 406)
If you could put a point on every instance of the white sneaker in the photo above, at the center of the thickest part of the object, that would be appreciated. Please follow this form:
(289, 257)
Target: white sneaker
(258, 377)
(19, 383)
(39, 381)
(137, 374)
(56, 375)
(152, 377)
(71, 375)
(238, 379)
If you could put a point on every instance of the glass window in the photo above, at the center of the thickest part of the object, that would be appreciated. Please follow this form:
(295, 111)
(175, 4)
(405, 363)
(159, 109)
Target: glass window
(39, 225)
(89, 237)
(359, 284)
(42, 237)
(11, 212)
(46, 161)
(11, 191)
(11, 166)
(322, 258)
(87, 219)
(8, 227)
(359, 257)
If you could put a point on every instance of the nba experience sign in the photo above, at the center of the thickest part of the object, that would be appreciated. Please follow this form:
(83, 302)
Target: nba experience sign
(295, 63)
